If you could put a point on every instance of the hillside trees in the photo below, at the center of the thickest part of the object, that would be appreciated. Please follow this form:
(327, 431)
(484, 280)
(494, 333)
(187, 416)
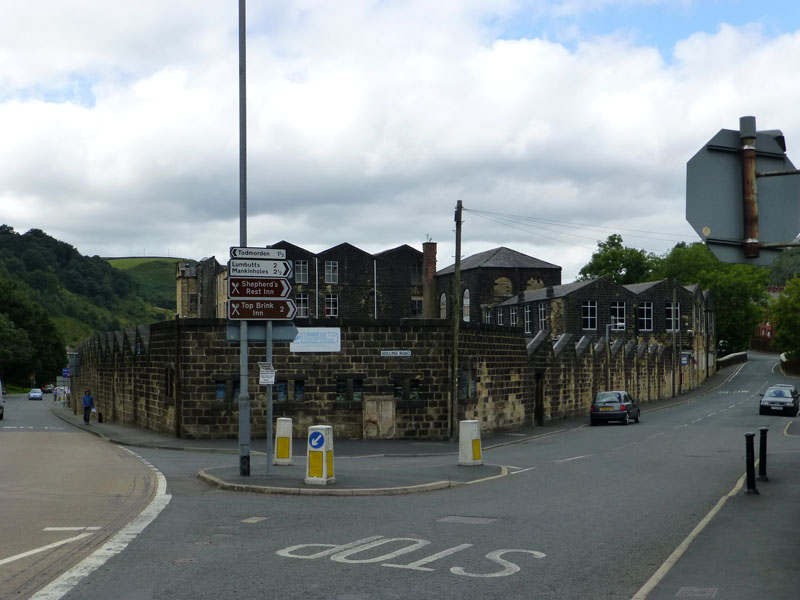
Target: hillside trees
(28, 338)
(785, 316)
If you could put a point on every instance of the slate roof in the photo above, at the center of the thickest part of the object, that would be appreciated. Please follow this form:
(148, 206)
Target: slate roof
(638, 288)
(559, 291)
(500, 258)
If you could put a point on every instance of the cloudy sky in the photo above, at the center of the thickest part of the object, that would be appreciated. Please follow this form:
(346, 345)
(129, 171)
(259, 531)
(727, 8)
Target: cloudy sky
(555, 122)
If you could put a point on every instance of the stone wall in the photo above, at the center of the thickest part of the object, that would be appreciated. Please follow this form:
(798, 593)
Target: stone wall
(390, 380)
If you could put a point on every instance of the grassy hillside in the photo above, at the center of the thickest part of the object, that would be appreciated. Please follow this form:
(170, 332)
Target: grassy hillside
(154, 276)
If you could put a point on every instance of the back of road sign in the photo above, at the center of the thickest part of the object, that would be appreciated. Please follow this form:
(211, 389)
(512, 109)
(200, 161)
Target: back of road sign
(714, 196)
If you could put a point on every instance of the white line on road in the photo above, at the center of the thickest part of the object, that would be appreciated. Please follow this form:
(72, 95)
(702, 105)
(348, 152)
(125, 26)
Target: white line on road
(563, 460)
(62, 585)
(71, 529)
(11, 559)
(656, 434)
(523, 470)
(684, 545)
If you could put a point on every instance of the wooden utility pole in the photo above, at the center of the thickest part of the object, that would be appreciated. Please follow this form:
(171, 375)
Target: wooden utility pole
(456, 325)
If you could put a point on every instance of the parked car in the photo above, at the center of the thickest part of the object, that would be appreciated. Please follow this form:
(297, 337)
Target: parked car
(2, 408)
(48, 389)
(35, 394)
(778, 398)
(616, 405)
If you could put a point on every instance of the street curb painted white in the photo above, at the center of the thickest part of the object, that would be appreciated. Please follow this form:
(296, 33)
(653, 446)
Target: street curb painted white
(205, 476)
(63, 584)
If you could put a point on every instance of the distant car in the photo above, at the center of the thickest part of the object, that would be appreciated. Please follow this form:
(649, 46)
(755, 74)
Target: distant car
(35, 394)
(778, 398)
(616, 405)
(48, 389)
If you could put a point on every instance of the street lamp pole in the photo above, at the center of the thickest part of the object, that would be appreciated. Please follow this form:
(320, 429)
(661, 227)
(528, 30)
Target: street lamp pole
(244, 397)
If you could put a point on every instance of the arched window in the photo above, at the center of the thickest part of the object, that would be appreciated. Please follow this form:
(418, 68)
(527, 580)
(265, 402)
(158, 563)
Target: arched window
(503, 287)
(465, 309)
(443, 306)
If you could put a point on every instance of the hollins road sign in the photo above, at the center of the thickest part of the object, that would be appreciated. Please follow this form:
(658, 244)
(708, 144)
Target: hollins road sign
(257, 287)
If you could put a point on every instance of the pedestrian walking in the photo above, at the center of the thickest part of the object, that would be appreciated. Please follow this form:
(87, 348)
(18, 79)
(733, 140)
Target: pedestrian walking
(88, 405)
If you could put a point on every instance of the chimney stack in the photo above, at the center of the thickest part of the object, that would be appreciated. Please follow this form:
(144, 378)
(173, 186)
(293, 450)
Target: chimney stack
(428, 284)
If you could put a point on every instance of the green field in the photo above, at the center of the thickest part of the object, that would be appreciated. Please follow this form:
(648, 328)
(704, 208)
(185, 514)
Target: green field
(154, 275)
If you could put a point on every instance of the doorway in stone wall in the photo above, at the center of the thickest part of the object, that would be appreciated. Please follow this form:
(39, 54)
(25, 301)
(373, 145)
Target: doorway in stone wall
(538, 403)
(379, 418)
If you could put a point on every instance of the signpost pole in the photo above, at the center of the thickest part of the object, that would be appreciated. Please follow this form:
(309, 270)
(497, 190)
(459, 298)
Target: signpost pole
(269, 401)
(244, 398)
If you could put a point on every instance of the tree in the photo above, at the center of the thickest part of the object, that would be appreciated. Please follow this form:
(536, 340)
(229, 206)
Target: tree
(622, 265)
(15, 346)
(785, 316)
(686, 263)
(739, 293)
(785, 266)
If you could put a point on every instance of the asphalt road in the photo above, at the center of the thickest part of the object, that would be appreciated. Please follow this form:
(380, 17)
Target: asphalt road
(63, 493)
(585, 513)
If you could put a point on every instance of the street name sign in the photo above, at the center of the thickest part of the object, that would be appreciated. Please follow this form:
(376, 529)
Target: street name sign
(282, 331)
(253, 310)
(238, 267)
(258, 253)
(246, 288)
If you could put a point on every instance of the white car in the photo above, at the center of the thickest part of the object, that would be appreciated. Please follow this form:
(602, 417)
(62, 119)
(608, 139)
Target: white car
(35, 394)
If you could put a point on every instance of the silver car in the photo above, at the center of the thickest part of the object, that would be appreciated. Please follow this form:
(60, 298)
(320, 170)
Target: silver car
(778, 399)
(616, 405)
(35, 394)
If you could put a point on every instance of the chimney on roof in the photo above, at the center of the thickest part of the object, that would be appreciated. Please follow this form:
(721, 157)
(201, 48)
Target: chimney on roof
(428, 285)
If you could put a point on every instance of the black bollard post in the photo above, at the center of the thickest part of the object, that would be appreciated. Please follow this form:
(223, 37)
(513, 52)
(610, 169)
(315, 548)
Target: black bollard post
(762, 454)
(751, 459)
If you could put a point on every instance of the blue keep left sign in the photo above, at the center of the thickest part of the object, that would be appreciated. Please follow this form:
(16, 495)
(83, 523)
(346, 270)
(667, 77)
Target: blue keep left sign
(316, 440)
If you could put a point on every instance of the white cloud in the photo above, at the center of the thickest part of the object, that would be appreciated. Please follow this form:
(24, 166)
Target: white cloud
(366, 122)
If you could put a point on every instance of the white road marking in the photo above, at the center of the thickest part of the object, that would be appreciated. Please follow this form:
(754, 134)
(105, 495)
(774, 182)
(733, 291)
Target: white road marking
(62, 585)
(523, 471)
(11, 559)
(417, 565)
(679, 551)
(656, 434)
(509, 568)
(71, 529)
(342, 552)
(254, 520)
(563, 460)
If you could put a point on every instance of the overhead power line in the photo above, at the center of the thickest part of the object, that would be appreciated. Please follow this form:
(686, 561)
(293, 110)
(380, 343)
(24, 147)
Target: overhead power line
(526, 223)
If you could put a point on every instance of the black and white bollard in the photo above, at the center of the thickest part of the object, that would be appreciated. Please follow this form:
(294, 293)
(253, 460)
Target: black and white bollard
(762, 454)
(750, 460)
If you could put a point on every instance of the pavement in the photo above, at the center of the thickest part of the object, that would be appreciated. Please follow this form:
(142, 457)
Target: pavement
(747, 547)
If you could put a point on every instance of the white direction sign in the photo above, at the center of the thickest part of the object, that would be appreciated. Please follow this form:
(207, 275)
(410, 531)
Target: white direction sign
(258, 253)
(238, 267)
